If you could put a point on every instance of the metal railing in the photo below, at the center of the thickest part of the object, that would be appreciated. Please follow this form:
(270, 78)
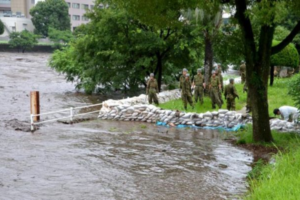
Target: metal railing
(71, 111)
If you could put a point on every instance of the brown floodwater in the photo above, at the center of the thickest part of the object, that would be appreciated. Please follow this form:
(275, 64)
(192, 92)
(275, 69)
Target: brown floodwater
(104, 159)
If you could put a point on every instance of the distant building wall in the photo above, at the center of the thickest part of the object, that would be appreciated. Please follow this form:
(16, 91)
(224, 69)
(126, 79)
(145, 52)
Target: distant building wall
(16, 24)
(77, 9)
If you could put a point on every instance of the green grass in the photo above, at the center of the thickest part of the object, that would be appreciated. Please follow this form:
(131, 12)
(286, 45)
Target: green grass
(281, 140)
(277, 96)
(280, 180)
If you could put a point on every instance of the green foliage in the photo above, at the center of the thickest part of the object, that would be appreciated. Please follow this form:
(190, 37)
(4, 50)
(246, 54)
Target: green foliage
(294, 89)
(279, 180)
(116, 52)
(157, 13)
(60, 38)
(228, 46)
(288, 57)
(1, 27)
(24, 40)
(50, 13)
(280, 140)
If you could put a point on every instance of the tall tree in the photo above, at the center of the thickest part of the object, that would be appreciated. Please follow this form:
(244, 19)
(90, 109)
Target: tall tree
(117, 51)
(266, 14)
(50, 13)
(209, 18)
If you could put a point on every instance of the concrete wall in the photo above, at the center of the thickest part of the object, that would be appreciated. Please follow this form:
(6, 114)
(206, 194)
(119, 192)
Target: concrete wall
(37, 48)
(16, 24)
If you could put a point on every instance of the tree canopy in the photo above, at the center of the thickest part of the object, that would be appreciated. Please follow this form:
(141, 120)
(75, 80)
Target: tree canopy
(60, 38)
(288, 57)
(24, 40)
(50, 13)
(116, 51)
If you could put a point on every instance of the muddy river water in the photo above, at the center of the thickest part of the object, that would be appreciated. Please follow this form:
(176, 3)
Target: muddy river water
(104, 159)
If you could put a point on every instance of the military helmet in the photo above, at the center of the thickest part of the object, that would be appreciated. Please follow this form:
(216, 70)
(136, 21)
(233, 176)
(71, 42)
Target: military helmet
(184, 70)
(213, 72)
(187, 75)
(151, 74)
(199, 70)
(231, 80)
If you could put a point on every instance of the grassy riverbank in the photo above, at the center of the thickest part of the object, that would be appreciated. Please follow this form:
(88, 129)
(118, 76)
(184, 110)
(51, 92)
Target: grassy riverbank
(280, 179)
(277, 94)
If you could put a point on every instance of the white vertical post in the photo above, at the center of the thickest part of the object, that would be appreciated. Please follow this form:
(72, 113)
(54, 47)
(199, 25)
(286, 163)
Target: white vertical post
(31, 123)
(71, 114)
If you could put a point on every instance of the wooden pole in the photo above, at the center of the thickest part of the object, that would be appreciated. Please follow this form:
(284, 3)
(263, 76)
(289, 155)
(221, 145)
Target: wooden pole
(35, 105)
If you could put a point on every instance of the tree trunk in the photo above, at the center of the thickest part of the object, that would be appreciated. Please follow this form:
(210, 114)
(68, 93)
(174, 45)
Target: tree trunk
(260, 110)
(159, 70)
(272, 75)
(208, 62)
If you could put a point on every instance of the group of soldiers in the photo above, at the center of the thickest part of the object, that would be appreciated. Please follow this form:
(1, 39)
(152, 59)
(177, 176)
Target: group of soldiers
(215, 88)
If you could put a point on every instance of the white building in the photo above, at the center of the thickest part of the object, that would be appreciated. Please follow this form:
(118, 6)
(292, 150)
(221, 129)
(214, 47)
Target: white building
(15, 14)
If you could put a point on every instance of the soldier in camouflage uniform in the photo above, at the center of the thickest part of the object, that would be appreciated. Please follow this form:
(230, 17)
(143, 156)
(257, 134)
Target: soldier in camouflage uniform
(230, 95)
(214, 87)
(219, 74)
(186, 92)
(181, 80)
(243, 72)
(152, 89)
(199, 85)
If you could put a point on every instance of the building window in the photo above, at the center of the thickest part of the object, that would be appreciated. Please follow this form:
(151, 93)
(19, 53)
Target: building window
(32, 1)
(13, 28)
(84, 6)
(92, 6)
(69, 4)
(76, 17)
(74, 28)
(84, 18)
(76, 5)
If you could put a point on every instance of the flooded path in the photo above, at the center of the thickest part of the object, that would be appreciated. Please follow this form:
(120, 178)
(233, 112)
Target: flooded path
(104, 159)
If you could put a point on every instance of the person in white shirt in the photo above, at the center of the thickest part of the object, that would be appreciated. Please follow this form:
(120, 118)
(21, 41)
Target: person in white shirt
(288, 113)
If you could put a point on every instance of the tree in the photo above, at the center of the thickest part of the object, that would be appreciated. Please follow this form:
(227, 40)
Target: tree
(117, 51)
(50, 13)
(22, 40)
(288, 57)
(60, 38)
(266, 15)
(1, 27)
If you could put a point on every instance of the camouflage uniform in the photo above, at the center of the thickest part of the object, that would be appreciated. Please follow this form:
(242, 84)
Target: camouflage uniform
(243, 72)
(214, 83)
(222, 86)
(152, 89)
(181, 82)
(230, 95)
(198, 81)
(187, 94)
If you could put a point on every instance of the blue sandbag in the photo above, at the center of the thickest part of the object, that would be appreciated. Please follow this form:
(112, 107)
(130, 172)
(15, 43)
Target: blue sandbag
(235, 128)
